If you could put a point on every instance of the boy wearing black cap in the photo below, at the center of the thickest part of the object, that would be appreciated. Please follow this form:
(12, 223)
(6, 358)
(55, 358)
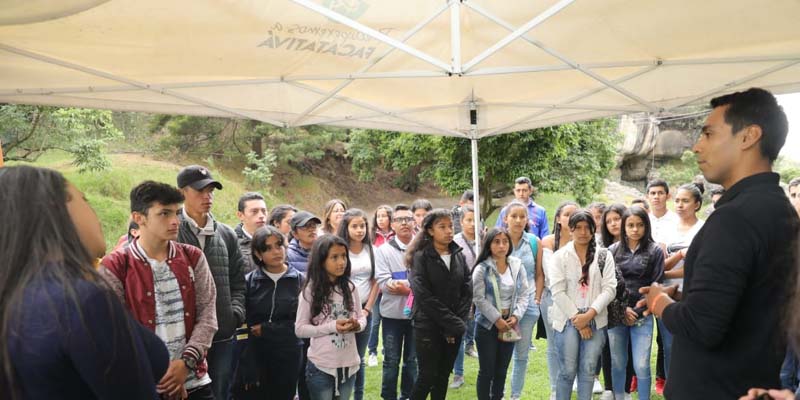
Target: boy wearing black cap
(221, 248)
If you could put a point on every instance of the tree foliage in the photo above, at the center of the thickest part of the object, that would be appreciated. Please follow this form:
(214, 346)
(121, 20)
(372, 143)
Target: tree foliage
(27, 132)
(567, 158)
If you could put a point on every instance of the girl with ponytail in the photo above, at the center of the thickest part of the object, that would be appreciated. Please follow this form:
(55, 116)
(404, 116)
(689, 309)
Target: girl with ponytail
(583, 283)
(641, 261)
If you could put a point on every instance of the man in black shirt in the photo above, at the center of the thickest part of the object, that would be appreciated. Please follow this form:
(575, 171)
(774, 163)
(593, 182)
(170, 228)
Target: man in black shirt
(727, 324)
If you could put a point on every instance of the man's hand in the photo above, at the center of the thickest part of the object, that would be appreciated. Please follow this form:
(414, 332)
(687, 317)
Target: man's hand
(256, 330)
(754, 394)
(398, 288)
(172, 382)
(657, 298)
(582, 320)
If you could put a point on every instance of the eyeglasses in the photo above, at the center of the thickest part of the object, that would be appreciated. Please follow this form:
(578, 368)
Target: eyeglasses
(404, 220)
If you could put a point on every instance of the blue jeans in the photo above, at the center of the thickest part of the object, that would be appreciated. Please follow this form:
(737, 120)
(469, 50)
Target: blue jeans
(790, 375)
(458, 366)
(398, 339)
(522, 348)
(322, 386)
(641, 338)
(375, 326)
(577, 357)
(361, 344)
(493, 359)
(666, 342)
(552, 349)
(469, 335)
(220, 367)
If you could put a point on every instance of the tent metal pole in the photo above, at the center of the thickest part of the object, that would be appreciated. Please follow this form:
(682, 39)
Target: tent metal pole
(374, 114)
(369, 65)
(455, 36)
(138, 84)
(476, 204)
(553, 10)
(327, 12)
(738, 82)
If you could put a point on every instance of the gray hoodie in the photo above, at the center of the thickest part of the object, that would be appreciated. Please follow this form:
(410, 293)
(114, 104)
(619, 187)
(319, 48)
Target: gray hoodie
(390, 266)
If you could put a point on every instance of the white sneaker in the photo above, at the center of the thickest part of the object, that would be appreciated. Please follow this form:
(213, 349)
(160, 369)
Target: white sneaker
(458, 381)
(552, 396)
(575, 385)
(607, 395)
(597, 388)
(628, 396)
(372, 361)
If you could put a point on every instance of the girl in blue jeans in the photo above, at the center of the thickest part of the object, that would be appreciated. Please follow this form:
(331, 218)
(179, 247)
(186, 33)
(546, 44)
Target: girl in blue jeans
(582, 288)
(528, 249)
(641, 261)
(500, 293)
(329, 313)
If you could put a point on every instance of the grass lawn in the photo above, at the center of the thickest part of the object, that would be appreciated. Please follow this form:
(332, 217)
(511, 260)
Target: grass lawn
(536, 383)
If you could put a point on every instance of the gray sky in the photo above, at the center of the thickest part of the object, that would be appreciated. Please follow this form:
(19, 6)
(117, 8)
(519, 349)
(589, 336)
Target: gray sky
(791, 105)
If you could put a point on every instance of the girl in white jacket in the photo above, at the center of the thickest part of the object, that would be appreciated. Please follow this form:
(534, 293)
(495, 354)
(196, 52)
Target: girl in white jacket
(581, 292)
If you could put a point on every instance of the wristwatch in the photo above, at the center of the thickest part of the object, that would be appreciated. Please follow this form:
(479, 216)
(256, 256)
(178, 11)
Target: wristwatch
(191, 362)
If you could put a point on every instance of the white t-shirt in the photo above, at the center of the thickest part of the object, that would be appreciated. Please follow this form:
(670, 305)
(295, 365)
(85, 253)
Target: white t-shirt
(274, 276)
(506, 289)
(682, 239)
(664, 227)
(361, 273)
(446, 258)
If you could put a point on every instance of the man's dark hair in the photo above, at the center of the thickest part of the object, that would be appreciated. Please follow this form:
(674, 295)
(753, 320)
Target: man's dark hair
(401, 207)
(641, 202)
(247, 197)
(756, 106)
(421, 204)
(794, 182)
(146, 193)
(657, 183)
(524, 179)
(468, 195)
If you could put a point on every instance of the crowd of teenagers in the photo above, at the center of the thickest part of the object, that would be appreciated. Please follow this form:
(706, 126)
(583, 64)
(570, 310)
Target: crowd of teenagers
(288, 305)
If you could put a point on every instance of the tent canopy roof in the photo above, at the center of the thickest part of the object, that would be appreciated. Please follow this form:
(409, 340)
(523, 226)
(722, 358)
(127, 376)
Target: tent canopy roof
(414, 65)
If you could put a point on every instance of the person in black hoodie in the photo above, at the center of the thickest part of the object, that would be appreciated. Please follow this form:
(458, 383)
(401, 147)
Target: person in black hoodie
(271, 302)
(442, 286)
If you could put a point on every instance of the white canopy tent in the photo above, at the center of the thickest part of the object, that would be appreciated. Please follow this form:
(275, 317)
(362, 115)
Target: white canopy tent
(469, 68)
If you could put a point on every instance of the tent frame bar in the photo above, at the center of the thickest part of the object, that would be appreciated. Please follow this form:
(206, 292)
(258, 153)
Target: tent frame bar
(563, 58)
(397, 75)
(537, 20)
(413, 31)
(740, 81)
(327, 12)
(455, 36)
(140, 85)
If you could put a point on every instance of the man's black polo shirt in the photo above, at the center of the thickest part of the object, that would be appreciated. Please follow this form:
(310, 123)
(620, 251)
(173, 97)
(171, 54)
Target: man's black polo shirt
(728, 327)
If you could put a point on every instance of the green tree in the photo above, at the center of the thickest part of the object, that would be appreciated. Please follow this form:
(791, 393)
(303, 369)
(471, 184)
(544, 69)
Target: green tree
(571, 157)
(27, 132)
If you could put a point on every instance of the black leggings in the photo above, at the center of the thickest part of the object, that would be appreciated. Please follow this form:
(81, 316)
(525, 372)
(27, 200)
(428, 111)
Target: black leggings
(435, 358)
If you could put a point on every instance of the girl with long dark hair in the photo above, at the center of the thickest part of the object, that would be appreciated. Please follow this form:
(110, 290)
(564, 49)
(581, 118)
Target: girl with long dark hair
(441, 283)
(611, 227)
(551, 243)
(583, 282)
(63, 332)
(272, 295)
(330, 315)
(353, 230)
(528, 248)
(641, 261)
(499, 291)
